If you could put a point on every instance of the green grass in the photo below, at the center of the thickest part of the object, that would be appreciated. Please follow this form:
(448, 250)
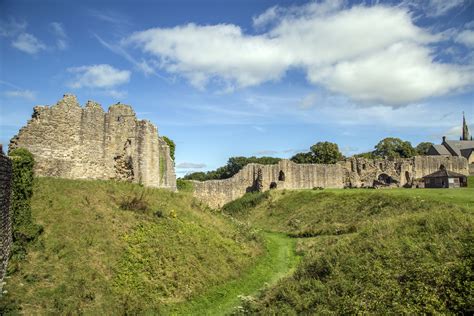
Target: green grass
(365, 251)
(96, 258)
(470, 182)
(309, 213)
(278, 261)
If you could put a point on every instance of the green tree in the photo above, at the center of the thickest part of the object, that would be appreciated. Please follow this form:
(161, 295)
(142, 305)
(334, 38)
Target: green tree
(392, 147)
(234, 165)
(367, 155)
(302, 158)
(326, 152)
(199, 176)
(321, 152)
(422, 148)
(172, 146)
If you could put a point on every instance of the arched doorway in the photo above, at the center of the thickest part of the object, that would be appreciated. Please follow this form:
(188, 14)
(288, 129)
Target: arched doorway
(385, 178)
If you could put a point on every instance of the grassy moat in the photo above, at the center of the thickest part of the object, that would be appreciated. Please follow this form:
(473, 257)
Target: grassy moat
(119, 248)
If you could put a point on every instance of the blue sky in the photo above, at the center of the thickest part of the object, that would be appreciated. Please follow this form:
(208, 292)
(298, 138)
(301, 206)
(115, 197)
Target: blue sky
(242, 78)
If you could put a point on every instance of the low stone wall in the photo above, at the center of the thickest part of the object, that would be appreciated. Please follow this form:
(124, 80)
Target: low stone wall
(5, 219)
(471, 169)
(353, 172)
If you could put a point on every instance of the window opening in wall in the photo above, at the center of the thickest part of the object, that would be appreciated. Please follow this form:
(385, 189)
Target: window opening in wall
(281, 176)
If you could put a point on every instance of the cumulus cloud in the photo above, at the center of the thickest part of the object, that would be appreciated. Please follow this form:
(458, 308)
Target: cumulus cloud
(61, 37)
(370, 54)
(190, 165)
(28, 43)
(98, 76)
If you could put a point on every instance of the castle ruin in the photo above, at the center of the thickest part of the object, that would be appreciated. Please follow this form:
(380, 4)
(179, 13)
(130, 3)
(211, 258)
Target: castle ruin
(351, 173)
(74, 142)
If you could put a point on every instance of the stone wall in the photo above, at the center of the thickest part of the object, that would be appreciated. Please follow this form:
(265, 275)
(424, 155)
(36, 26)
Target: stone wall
(70, 141)
(284, 175)
(5, 219)
(353, 172)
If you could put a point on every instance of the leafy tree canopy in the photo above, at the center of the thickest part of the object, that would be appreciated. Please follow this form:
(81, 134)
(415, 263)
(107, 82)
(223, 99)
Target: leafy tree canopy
(422, 148)
(392, 147)
(322, 152)
(234, 165)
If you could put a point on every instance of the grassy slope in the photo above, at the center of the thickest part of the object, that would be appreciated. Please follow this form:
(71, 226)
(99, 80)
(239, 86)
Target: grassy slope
(95, 258)
(279, 260)
(387, 251)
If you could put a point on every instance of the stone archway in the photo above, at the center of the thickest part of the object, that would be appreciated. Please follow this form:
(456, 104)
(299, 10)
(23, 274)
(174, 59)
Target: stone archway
(385, 179)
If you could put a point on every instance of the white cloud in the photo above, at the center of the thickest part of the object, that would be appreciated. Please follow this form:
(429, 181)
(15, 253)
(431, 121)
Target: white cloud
(24, 94)
(142, 65)
(441, 7)
(400, 74)
(12, 27)
(98, 76)
(61, 36)
(190, 165)
(28, 43)
(371, 54)
(455, 132)
(270, 15)
(116, 94)
(466, 37)
(308, 101)
(266, 152)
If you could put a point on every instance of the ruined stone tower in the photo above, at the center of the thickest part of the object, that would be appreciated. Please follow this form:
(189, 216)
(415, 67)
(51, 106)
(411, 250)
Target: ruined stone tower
(69, 141)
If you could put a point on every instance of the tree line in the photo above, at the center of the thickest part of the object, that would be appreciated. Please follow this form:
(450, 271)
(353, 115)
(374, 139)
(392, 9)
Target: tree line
(321, 152)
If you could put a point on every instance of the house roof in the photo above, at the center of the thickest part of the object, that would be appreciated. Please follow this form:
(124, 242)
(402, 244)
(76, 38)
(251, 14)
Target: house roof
(467, 152)
(441, 150)
(457, 145)
(444, 173)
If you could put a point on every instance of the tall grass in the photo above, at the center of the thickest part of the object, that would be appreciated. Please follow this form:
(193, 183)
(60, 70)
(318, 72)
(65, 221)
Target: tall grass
(370, 252)
(104, 250)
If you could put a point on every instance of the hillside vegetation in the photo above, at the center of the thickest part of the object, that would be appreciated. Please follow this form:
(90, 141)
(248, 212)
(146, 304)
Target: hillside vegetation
(118, 248)
(391, 251)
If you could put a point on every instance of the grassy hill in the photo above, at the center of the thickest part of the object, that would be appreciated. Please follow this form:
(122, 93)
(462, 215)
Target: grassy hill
(389, 251)
(116, 248)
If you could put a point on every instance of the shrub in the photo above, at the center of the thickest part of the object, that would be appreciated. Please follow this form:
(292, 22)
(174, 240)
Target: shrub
(249, 200)
(185, 186)
(135, 203)
(23, 228)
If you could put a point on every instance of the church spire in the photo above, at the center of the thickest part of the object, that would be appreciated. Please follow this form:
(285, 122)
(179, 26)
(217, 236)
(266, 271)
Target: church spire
(465, 130)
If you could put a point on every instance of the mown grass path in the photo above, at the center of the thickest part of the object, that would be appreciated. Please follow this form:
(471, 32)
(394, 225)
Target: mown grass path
(280, 259)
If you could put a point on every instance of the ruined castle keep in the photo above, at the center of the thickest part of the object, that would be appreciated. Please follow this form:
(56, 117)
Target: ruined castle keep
(74, 142)
(353, 172)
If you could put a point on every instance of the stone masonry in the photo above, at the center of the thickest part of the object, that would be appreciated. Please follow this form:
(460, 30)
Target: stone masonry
(353, 172)
(5, 218)
(70, 141)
